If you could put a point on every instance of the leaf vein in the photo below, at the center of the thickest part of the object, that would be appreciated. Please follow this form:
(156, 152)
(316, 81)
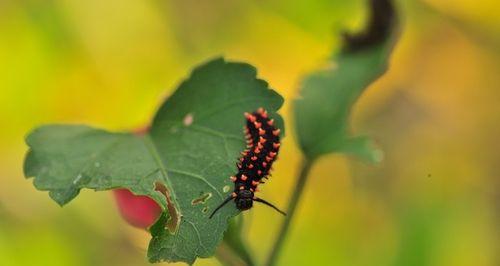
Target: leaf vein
(197, 177)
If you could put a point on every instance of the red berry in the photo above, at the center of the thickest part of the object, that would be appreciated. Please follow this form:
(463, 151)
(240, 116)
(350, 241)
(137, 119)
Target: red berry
(139, 211)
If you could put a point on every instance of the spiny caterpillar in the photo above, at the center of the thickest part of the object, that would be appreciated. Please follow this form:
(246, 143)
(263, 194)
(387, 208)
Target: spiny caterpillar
(263, 143)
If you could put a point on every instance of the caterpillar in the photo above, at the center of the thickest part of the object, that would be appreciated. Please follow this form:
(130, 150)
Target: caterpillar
(263, 144)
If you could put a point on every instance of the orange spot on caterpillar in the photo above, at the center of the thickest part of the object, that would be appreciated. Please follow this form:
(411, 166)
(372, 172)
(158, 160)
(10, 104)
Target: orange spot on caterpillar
(244, 177)
(251, 118)
(257, 124)
(270, 122)
(276, 145)
(262, 132)
(276, 132)
(255, 183)
(233, 178)
(262, 112)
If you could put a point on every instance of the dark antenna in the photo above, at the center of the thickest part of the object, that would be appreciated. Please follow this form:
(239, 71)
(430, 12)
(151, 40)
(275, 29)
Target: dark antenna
(270, 205)
(221, 205)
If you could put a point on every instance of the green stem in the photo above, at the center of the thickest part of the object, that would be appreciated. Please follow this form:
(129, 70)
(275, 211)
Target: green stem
(292, 206)
(227, 257)
(233, 238)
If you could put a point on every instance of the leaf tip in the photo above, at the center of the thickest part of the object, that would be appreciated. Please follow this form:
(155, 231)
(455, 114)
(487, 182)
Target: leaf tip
(63, 196)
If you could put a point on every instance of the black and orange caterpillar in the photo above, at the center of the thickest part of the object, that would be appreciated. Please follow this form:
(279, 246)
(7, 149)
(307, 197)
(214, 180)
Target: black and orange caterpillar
(263, 144)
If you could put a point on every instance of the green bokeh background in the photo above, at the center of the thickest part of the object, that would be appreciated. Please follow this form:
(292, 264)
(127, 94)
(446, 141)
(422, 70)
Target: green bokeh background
(433, 201)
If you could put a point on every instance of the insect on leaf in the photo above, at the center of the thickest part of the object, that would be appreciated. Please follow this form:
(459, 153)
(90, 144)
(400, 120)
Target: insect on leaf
(183, 162)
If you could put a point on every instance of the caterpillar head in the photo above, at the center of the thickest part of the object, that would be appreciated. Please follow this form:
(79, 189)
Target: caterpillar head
(244, 200)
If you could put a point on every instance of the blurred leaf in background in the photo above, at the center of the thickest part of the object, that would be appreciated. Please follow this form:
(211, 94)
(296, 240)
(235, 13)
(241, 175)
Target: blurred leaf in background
(326, 99)
(323, 108)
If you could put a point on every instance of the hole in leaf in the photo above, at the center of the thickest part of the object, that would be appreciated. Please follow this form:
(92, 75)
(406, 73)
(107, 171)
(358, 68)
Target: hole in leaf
(174, 217)
(201, 199)
(205, 209)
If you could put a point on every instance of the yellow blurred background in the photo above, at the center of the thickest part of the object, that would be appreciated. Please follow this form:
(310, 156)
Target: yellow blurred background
(435, 199)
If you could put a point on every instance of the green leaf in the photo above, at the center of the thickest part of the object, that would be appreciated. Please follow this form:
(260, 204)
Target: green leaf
(322, 111)
(183, 162)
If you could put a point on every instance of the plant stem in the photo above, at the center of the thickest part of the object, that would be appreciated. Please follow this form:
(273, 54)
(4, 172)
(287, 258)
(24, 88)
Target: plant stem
(292, 206)
(227, 257)
(234, 240)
